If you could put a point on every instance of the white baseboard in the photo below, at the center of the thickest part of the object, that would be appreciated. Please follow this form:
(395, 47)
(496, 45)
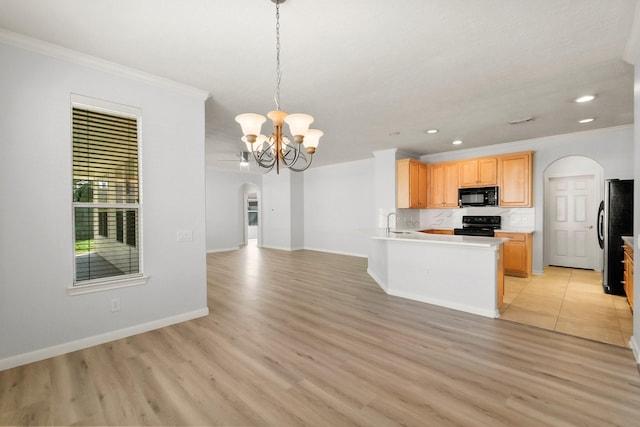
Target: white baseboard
(278, 248)
(380, 283)
(635, 347)
(335, 252)
(68, 347)
(210, 251)
(446, 304)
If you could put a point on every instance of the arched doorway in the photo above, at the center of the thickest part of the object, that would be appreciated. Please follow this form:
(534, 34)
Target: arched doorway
(573, 191)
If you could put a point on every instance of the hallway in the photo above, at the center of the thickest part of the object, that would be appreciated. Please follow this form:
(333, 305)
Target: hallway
(570, 301)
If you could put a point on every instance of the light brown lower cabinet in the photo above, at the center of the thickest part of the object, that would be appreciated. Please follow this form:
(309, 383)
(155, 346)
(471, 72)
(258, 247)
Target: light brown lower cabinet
(628, 273)
(500, 275)
(518, 253)
(437, 231)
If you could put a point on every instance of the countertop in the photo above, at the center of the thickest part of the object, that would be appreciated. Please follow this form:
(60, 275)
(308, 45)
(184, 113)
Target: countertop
(444, 239)
(628, 240)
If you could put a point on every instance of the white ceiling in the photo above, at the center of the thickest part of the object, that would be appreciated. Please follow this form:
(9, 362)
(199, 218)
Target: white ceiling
(366, 69)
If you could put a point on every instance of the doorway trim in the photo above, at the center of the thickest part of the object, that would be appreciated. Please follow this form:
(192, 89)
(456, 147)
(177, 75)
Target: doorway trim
(247, 190)
(560, 168)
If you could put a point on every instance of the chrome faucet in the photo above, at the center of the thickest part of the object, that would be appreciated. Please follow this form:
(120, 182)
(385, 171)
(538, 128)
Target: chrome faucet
(388, 219)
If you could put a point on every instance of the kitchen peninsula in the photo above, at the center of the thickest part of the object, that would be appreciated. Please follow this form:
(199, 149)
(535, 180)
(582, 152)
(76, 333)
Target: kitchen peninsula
(459, 272)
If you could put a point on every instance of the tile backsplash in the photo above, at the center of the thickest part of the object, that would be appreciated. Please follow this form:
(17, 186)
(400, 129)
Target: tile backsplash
(512, 218)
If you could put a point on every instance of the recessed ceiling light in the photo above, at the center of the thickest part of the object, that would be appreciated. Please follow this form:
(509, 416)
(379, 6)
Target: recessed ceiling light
(457, 142)
(432, 131)
(589, 120)
(585, 98)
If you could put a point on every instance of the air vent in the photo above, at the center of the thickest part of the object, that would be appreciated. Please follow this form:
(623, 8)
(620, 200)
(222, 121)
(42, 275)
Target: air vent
(520, 121)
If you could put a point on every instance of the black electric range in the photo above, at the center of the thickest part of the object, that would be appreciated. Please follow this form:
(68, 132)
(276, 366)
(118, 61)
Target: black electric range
(478, 225)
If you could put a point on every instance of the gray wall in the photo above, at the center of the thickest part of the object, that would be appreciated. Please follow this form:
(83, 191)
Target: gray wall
(38, 317)
(225, 207)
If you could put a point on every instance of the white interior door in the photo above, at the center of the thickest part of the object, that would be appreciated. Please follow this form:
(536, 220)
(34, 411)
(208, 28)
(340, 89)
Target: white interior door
(572, 219)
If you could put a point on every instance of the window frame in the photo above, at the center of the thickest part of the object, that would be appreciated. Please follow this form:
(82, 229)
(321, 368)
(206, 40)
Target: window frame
(124, 280)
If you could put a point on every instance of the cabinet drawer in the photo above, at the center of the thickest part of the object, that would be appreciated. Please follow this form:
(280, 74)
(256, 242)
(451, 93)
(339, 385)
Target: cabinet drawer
(519, 237)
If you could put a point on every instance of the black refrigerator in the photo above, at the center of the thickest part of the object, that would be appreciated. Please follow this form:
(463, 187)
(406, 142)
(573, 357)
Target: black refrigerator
(615, 219)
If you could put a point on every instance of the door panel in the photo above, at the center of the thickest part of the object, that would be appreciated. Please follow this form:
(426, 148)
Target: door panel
(572, 222)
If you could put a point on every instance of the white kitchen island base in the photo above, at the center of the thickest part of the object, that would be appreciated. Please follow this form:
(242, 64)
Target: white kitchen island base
(459, 272)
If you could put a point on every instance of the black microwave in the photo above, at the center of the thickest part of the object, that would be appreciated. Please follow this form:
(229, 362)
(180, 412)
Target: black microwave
(481, 196)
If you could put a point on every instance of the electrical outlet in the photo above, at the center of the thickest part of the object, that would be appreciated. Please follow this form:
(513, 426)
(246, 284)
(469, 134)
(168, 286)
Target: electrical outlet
(525, 220)
(115, 305)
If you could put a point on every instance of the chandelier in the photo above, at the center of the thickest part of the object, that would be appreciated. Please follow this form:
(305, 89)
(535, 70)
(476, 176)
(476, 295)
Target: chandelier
(277, 149)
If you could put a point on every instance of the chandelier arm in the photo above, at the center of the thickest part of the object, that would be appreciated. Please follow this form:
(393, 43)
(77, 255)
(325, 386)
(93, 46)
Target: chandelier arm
(305, 166)
(299, 155)
(259, 157)
(296, 154)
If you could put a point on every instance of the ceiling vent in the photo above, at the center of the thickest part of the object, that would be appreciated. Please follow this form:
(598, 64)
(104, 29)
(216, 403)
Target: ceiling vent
(520, 121)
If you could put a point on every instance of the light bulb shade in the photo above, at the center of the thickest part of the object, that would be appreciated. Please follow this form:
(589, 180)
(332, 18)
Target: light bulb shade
(298, 123)
(277, 117)
(251, 123)
(312, 139)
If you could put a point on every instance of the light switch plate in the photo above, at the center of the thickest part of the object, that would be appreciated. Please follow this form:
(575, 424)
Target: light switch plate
(185, 236)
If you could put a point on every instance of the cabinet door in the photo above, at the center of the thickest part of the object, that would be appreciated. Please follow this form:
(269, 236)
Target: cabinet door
(515, 181)
(402, 183)
(422, 185)
(414, 185)
(628, 273)
(468, 173)
(436, 185)
(450, 185)
(515, 257)
(487, 171)
(411, 184)
(518, 253)
(480, 172)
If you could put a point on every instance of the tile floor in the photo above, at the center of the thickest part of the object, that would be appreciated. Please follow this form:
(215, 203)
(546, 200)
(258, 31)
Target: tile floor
(570, 301)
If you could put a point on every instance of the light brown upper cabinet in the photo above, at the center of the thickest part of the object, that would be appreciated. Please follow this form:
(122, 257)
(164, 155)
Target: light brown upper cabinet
(443, 185)
(411, 184)
(482, 172)
(516, 183)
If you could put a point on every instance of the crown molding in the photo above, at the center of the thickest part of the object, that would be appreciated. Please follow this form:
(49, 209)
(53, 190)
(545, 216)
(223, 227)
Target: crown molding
(45, 48)
(512, 146)
(632, 48)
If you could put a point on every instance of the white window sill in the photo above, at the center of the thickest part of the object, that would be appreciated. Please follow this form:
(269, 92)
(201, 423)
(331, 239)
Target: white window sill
(107, 285)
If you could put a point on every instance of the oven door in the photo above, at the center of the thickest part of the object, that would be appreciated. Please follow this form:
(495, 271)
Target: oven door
(471, 197)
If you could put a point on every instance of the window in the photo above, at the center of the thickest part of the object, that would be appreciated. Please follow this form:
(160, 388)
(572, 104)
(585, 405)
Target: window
(106, 193)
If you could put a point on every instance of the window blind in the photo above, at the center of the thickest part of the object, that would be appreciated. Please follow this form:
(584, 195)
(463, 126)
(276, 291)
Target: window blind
(106, 194)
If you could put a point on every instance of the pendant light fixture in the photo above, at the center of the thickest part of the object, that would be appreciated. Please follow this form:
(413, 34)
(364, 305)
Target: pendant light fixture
(277, 149)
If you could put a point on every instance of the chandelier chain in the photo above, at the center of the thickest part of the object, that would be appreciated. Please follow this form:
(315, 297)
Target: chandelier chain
(276, 151)
(278, 72)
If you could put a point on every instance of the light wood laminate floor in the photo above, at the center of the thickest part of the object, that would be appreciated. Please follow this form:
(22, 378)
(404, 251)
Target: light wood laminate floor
(570, 301)
(308, 338)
